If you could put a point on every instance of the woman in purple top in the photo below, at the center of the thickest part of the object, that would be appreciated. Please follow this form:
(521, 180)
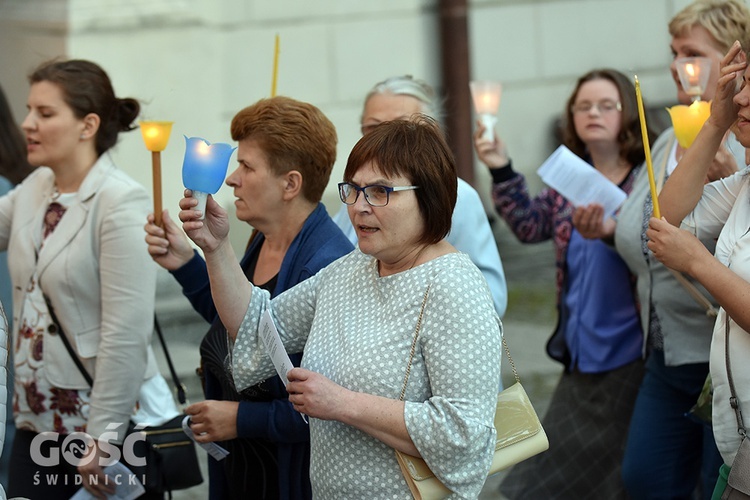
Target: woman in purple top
(598, 336)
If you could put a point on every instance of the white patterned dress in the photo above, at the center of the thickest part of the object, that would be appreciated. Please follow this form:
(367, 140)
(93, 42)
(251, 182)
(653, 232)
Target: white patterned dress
(356, 328)
(39, 405)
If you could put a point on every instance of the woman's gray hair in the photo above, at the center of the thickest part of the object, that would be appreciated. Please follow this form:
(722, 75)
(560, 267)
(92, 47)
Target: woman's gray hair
(413, 87)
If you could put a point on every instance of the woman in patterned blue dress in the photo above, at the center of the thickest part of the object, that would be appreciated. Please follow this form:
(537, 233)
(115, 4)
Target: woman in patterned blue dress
(356, 320)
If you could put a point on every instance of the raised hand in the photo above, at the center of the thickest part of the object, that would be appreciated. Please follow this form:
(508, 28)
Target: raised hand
(168, 246)
(211, 231)
(493, 153)
(723, 108)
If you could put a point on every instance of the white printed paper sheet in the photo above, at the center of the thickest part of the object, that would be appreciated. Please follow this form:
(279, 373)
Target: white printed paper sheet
(579, 182)
(269, 334)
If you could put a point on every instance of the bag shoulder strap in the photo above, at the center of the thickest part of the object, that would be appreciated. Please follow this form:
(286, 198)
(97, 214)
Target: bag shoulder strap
(414, 343)
(733, 401)
(179, 387)
(416, 336)
(507, 353)
(66, 342)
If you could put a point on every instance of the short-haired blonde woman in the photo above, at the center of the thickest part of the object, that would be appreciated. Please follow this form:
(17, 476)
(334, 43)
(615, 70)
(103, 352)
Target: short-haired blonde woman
(669, 454)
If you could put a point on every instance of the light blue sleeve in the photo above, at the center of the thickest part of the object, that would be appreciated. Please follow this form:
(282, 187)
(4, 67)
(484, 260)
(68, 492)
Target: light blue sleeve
(471, 233)
(292, 311)
(345, 224)
(460, 344)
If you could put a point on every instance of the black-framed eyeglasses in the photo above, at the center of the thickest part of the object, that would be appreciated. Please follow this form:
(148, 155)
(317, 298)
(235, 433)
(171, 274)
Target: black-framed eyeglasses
(376, 195)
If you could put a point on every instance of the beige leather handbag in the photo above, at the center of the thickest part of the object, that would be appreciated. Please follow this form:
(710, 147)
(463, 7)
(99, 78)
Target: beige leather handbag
(519, 432)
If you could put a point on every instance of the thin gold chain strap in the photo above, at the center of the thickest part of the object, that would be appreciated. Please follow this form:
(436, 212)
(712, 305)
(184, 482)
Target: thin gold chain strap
(414, 343)
(512, 364)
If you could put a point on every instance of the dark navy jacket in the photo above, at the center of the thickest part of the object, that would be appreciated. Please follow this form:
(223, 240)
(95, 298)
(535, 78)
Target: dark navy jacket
(319, 242)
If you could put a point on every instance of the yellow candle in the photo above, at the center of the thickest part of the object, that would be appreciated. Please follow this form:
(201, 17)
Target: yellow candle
(275, 67)
(155, 136)
(647, 149)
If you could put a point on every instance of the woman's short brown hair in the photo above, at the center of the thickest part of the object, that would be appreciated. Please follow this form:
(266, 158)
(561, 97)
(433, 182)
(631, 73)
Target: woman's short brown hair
(294, 135)
(86, 88)
(415, 149)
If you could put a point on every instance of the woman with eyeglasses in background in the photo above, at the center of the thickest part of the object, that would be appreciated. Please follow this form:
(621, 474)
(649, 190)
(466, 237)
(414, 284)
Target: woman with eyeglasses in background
(598, 337)
(357, 322)
(669, 455)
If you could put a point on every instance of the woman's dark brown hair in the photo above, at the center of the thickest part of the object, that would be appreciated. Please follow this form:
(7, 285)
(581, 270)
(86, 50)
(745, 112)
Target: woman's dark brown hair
(630, 138)
(13, 163)
(415, 149)
(86, 88)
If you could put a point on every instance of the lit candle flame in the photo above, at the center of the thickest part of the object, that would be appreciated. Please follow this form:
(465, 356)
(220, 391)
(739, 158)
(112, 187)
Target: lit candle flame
(202, 148)
(155, 134)
(693, 73)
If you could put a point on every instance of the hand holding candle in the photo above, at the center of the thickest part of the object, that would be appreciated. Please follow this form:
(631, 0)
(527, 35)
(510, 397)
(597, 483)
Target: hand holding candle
(155, 136)
(204, 168)
(647, 149)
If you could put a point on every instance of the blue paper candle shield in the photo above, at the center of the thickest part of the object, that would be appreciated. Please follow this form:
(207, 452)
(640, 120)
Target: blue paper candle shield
(205, 167)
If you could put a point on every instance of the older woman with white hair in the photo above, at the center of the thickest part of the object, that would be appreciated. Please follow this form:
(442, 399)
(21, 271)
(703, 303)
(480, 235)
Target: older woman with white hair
(401, 97)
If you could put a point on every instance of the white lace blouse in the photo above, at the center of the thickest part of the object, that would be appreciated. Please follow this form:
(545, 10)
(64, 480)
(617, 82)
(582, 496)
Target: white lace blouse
(724, 213)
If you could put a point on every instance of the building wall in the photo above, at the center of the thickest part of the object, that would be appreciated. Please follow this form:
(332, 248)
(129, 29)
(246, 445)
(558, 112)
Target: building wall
(197, 62)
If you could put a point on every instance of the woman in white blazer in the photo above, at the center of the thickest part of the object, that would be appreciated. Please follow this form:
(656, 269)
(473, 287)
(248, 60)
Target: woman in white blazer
(73, 232)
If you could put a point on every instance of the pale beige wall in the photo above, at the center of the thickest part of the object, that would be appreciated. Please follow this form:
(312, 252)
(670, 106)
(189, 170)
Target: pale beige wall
(198, 62)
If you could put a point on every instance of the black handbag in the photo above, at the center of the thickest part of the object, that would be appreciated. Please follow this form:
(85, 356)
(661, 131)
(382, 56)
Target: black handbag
(171, 462)
(169, 455)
